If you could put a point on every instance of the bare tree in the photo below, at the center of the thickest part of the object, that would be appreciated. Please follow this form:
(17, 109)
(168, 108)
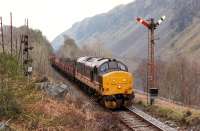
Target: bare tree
(96, 49)
(178, 79)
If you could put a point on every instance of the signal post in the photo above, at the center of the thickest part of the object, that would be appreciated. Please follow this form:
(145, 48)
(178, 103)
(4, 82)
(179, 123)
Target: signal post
(151, 25)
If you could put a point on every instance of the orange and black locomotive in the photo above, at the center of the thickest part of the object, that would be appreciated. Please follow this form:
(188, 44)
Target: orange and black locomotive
(107, 78)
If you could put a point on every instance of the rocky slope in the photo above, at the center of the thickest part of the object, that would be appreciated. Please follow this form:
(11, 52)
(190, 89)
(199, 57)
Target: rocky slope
(120, 32)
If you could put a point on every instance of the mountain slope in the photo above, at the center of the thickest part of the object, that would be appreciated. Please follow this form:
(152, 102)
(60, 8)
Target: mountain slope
(119, 31)
(186, 43)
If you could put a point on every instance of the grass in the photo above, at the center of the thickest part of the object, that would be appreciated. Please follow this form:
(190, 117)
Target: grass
(9, 70)
(167, 113)
(9, 106)
(15, 91)
(181, 117)
(9, 66)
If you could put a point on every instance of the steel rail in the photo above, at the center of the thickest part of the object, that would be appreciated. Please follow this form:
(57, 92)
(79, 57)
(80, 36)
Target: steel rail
(149, 119)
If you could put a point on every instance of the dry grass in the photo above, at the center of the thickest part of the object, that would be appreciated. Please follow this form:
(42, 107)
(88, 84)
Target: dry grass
(183, 116)
(69, 114)
(40, 112)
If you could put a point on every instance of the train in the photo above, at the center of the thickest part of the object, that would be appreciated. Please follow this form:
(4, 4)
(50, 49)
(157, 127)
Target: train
(106, 78)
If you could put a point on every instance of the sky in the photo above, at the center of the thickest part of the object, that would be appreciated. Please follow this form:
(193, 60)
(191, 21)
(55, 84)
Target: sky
(53, 17)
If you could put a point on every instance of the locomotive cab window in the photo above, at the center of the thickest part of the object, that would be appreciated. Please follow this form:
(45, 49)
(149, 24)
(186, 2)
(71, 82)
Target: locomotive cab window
(113, 65)
(104, 67)
(122, 66)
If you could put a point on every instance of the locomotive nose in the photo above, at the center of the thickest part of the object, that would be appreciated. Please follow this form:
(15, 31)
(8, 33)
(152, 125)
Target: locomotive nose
(117, 82)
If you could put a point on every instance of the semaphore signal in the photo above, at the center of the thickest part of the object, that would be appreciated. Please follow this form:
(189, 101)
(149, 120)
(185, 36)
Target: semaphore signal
(151, 25)
(143, 22)
(161, 20)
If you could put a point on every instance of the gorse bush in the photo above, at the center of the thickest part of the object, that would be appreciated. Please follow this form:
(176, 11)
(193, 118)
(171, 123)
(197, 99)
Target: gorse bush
(9, 65)
(9, 107)
(9, 69)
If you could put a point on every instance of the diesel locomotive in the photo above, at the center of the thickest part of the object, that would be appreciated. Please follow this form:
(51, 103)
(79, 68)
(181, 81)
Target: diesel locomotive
(108, 79)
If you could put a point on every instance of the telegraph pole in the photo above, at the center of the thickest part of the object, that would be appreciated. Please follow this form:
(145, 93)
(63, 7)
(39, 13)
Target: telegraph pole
(20, 55)
(11, 33)
(16, 46)
(2, 39)
(151, 25)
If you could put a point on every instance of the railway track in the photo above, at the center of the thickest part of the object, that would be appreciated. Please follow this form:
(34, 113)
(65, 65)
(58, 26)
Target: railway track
(137, 120)
(132, 118)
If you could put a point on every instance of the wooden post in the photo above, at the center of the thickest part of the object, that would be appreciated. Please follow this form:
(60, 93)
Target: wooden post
(16, 46)
(2, 39)
(11, 33)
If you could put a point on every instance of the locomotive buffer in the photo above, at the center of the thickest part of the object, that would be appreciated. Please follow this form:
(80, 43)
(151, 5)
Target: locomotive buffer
(151, 25)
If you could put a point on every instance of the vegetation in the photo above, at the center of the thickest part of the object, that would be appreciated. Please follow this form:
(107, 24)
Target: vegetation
(8, 66)
(96, 49)
(41, 47)
(177, 80)
(181, 116)
(9, 69)
(15, 91)
(70, 49)
(30, 109)
(9, 106)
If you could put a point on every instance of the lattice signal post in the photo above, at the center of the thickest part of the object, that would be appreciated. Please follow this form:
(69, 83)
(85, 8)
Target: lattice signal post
(27, 61)
(151, 25)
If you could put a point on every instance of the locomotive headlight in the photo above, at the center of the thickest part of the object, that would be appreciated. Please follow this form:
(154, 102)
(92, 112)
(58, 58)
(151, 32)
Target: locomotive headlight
(119, 86)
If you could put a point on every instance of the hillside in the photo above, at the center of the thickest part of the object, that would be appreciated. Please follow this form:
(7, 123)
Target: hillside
(41, 49)
(120, 33)
(186, 43)
(25, 106)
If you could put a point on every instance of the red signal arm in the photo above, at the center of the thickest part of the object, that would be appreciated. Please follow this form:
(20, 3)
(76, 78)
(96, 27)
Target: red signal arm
(143, 22)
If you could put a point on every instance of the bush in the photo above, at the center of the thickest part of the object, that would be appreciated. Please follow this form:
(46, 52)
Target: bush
(8, 69)
(9, 66)
(9, 107)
